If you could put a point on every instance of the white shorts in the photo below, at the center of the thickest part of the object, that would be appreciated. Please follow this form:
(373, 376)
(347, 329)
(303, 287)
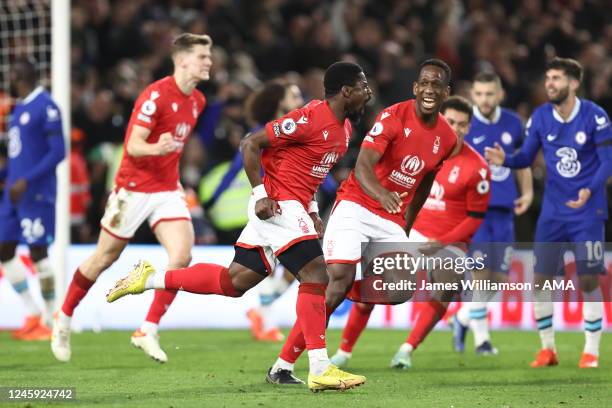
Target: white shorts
(349, 226)
(278, 233)
(127, 210)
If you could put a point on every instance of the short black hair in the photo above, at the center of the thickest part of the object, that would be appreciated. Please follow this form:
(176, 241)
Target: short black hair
(340, 74)
(487, 77)
(437, 63)
(26, 70)
(569, 66)
(458, 103)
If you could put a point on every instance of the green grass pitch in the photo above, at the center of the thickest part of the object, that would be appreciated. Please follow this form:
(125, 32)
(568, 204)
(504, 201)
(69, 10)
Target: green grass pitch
(215, 368)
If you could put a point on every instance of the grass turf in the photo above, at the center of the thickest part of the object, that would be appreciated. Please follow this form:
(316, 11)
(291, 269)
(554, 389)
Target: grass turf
(226, 369)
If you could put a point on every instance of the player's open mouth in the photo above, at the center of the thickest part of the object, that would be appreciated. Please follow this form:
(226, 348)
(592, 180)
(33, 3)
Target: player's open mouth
(429, 103)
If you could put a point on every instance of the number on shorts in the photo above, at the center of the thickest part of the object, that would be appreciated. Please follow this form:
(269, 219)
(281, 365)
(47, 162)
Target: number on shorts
(594, 250)
(32, 229)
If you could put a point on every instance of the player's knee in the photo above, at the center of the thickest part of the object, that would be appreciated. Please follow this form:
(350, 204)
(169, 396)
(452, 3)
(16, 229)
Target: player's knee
(7, 251)
(38, 253)
(588, 283)
(180, 260)
(315, 272)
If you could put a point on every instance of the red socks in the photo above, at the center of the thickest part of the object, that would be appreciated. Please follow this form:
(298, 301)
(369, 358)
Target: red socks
(79, 286)
(357, 322)
(203, 278)
(430, 314)
(310, 311)
(161, 302)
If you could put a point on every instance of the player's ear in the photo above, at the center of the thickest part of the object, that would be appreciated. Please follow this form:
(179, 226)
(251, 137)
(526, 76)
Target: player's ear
(447, 92)
(574, 84)
(415, 86)
(346, 91)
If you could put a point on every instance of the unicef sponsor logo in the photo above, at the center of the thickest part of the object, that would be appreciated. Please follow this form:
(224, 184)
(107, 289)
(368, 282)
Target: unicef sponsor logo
(412, 165)
(568, 166)
(499, 173)
(14, 144)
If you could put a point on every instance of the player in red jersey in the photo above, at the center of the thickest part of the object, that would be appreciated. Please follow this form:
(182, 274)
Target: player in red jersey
(454, 210)
(396, 166)
(296, 152)
(147, 188)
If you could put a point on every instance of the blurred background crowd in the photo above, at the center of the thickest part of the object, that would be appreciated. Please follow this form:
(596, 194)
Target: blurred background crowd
(119, 47)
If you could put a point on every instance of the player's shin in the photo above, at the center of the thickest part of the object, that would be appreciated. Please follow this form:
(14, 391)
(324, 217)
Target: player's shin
(47, 285)
(203, 278)
(592, 312)
(431, 313)
(79, 286)
(543, 312)
(357, 322)
(310, 311)
(14, 271)
(479, 323)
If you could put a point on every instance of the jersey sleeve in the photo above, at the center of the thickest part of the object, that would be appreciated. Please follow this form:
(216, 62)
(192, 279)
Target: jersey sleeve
(531, 144)
(293, 128)
(147, 108)
(52, 120)
(602, 135)
(479, 191)
(601, 129)
(383, 132)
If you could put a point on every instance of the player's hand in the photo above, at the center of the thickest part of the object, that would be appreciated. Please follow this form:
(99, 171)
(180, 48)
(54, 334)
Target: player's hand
(522, 204)
(391, 201)
(318, 223)
(495, 155)
(430, 247)
(583, 196)
(266, 208)
(17, 189)
(166, 144)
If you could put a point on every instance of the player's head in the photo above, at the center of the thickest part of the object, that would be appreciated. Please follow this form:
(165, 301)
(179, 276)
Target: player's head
(191, 54)
(23, 77)
(458, 113)
(487, 92)
(563, 77)
(275, 99)
(432, 86)
(346, 82)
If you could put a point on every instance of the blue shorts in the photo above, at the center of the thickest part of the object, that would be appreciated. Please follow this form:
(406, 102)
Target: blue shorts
(584, 238)
(494, 239)
(31, 223)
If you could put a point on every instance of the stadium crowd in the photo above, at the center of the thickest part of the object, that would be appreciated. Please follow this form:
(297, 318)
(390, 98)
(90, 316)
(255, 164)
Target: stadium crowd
(119, 47)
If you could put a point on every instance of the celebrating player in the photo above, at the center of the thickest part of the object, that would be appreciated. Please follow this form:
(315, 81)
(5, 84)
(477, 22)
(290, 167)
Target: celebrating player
(452, 213)
(493, 124)
(147, 188)
(297, 152)
(27, 210)
(379, 201)
(576, 141)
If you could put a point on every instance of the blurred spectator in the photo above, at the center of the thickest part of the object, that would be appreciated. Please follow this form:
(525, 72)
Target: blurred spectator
(118, 47)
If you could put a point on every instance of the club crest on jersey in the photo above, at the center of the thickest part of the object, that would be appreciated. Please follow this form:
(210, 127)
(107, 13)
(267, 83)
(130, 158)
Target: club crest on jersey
(288, 126)
(568, 166)
(412, 165)
(182, 131)
(454, 174)
(436, 145)
(506, 138)
(24, 118)
(376, 129)
(581, 137)
(14, 142)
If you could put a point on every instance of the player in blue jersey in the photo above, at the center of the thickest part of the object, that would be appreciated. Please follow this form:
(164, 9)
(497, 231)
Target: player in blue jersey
(27, 208)
(576, 139)
(493, 124)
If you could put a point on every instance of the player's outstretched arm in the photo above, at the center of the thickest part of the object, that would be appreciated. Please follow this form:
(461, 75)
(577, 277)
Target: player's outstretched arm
(420, 196)
(251, 147)
(364, 173)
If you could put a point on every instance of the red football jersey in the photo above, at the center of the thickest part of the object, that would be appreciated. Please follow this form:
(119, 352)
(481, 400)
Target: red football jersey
(409, 151)
(461, 187)
(304, 145)
(162, 107)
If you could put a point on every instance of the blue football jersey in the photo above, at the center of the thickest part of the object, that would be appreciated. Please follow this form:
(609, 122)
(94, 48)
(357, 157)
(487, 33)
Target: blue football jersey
(570, 153)
(33, 121)
(506, 129)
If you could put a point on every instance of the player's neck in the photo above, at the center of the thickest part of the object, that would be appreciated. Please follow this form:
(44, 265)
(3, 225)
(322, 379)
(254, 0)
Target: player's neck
(429, 120)
(184, 83)
(565, 108)
(337, 109)
(24, 90)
